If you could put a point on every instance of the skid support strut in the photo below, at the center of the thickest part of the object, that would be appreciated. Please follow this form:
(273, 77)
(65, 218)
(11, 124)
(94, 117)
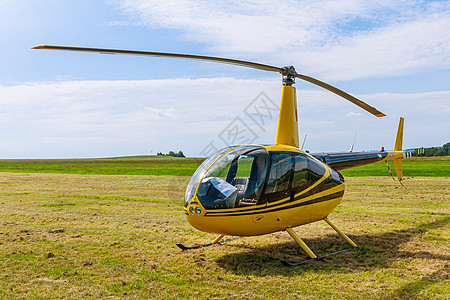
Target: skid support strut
(340, 232)
(309, 251)
(301, 243)
(217, 239)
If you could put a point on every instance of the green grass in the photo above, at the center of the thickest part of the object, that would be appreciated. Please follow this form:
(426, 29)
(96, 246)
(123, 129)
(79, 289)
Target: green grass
(163, 165)
(435, 167)
(152, 165)
(65, 236)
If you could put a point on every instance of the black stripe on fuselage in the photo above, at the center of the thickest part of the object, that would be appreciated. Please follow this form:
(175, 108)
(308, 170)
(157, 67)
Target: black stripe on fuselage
(342, 161)
(263, 208)
(268, 210)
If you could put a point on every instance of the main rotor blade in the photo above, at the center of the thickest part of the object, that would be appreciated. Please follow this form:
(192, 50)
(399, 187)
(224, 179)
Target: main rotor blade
(286, 71)
(343, 94)
(242, 63)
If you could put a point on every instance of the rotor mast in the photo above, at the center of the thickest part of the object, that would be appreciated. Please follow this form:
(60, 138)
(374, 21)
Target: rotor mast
(287, 128)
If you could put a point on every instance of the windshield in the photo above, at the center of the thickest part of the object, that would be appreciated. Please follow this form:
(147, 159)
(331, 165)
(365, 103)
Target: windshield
(195, 179)
(235, 179)
(230, 178)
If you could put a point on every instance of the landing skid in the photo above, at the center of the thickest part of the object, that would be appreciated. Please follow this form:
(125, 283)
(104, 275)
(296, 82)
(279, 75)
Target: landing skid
(289, 264)
(215, 242)
(309, 251)
(218, 240)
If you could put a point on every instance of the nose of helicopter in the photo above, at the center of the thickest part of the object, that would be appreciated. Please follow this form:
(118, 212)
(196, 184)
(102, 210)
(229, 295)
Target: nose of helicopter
(194, 208)
(195, 215)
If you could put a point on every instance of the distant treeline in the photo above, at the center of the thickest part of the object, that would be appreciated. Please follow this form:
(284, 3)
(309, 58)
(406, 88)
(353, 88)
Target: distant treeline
(171, 153)
(434, 151)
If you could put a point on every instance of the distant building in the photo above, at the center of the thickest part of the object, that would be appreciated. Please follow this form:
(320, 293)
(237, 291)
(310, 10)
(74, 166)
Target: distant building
(431, 151)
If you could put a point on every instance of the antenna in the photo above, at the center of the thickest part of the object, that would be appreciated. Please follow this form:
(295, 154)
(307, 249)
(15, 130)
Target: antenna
(304, 140)
(351, 148)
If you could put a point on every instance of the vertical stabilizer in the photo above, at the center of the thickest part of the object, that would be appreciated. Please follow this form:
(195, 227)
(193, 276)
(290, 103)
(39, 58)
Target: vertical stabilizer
(399, 138)
(398, 154)
(398, 168)
(398, 147)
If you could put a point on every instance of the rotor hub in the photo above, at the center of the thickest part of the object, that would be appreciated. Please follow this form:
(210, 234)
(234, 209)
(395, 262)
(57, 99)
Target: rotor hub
(288, 75)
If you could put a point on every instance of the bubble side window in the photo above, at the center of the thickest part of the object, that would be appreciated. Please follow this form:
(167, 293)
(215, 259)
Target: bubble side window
(300, 181)
(279, 180)
(316, 170)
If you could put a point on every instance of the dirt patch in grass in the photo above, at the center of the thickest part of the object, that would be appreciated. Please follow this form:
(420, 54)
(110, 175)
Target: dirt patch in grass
(98, 236)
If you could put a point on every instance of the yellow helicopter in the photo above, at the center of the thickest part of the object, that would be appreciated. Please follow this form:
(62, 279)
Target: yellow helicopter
(249, 190)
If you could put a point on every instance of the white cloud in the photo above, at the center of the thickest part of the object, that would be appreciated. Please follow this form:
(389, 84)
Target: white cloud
(168, 112)
(126, 114)
(335, 39)
(110, 118)
(353, 114)
(400, 49)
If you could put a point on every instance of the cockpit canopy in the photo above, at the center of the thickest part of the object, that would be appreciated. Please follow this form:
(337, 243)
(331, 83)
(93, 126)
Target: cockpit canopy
(230, 178)
(250, 175)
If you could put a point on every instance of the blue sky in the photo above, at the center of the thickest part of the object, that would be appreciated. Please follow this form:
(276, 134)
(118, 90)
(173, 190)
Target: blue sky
(395, 55)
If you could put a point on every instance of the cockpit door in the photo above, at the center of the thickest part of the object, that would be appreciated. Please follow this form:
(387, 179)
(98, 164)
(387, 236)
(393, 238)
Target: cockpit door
(279, 179)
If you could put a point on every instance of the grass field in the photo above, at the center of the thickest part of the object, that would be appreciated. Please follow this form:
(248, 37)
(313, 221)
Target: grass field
(79, 236)
(157, 165)
(138, 165)
(438, 166)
